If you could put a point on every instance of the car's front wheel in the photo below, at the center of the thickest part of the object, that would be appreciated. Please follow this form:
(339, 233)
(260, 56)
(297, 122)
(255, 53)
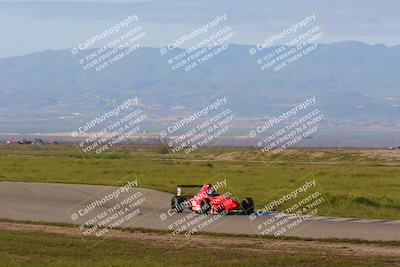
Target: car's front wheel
(248, 205)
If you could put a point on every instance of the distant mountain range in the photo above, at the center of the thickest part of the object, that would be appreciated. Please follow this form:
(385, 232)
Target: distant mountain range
(351, 80)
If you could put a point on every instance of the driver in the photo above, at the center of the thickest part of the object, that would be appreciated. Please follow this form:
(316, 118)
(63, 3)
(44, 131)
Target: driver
(212, 192)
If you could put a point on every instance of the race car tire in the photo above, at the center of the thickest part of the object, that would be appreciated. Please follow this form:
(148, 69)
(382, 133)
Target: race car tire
(176, 204)
(248, 205)
(205, 206)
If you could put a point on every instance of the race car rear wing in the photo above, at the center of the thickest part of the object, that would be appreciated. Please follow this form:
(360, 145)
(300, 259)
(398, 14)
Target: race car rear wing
(180, 187)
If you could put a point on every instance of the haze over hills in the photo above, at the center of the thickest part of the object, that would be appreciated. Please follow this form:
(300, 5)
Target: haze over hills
(351, 81)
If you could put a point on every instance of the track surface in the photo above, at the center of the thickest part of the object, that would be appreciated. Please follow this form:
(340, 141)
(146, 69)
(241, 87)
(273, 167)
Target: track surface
(51, 202)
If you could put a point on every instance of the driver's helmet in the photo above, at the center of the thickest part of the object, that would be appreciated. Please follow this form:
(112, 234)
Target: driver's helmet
(212, 192)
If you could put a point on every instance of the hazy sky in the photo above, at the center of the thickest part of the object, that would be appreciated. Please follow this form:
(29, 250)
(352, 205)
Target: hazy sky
(30, 26)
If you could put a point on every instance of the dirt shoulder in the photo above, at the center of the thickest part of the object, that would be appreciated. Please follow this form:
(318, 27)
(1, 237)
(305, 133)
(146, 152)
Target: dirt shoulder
(241, 244)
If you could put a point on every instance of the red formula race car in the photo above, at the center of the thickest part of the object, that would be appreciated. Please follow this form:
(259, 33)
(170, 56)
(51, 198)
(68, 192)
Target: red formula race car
(208, 201)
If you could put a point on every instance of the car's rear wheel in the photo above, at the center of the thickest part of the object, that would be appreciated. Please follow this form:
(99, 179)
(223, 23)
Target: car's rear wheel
(176, 204)
(248, 205)
(205, 206)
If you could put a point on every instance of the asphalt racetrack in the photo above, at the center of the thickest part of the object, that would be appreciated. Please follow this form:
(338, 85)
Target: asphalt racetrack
(45, 202)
